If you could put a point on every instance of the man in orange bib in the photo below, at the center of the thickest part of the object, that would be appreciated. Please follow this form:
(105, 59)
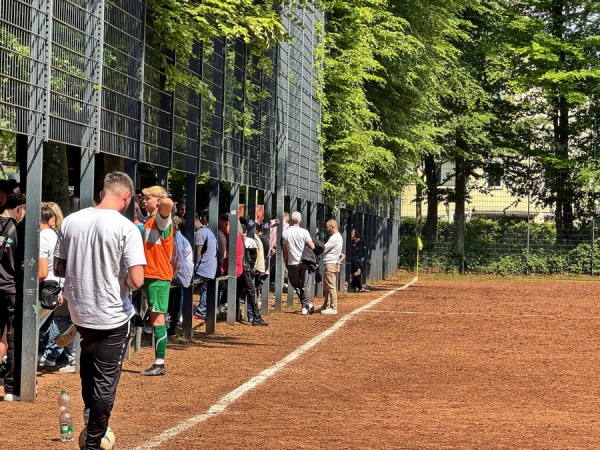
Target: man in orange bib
(157, 234)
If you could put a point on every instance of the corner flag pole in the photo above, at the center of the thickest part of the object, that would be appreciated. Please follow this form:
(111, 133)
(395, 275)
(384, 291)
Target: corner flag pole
(419, 248)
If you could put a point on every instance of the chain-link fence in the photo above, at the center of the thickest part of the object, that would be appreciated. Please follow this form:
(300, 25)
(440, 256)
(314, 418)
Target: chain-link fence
(509, 227)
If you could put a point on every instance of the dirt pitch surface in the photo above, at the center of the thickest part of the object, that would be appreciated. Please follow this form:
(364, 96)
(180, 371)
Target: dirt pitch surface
(455, 363)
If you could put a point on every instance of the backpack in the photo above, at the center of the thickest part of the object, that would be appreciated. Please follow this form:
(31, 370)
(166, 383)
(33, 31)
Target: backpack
(5, 240)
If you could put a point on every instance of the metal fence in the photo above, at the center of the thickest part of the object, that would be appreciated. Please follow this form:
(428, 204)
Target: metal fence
(506, 230)
(84, 74)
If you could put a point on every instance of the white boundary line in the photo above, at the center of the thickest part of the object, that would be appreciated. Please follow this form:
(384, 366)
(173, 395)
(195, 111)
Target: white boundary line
(470, 314)
(228, 399)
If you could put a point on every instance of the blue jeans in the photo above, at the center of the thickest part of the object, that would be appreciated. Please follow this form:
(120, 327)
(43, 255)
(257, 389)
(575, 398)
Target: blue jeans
(201, 311)
(47, 346)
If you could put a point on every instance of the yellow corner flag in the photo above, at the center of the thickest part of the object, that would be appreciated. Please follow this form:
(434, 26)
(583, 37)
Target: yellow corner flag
(419, 243)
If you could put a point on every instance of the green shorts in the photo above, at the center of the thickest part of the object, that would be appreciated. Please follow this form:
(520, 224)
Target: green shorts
(157, 293)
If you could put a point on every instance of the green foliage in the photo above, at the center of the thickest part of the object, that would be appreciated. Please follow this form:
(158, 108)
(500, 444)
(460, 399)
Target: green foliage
(544, 71)
(179, 24)
(385, 62)
(8, 146)
(585, 259)
(358, 35)
(14, 59)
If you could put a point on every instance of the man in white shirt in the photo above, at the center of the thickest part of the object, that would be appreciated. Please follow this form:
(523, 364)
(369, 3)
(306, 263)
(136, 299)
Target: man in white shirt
(100, 255)
(332, 258)
(300, 277)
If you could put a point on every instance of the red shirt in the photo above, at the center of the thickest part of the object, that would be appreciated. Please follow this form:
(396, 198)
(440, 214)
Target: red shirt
(239, 260)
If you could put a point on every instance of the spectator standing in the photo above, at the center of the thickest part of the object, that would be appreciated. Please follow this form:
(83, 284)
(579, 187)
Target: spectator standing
(263, 261)
(300, 277)
(224, 228)
(158, 235)
(58, 216)
(100, 255)
(245, 282)
(356, 263)
(60, 321)
(332, 258)
(180, 210)
(139, 200)
(11, 289)
(5, 190)
(206, 260)
(183, 277)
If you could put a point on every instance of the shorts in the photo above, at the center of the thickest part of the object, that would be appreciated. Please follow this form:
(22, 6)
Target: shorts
(157, 293)
(7, 311)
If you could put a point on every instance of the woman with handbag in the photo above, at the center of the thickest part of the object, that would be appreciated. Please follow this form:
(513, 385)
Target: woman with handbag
(51, 301)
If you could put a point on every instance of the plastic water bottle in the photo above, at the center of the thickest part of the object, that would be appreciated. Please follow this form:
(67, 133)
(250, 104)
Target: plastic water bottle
(65, 420)
(346, 287)
(64, 401)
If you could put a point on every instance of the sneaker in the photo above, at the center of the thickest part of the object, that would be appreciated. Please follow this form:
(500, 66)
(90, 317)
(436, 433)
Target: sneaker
(304, 311)
(67, 337)
(154, 371)
(311, 308)
(11, 398)
(43, 362)
(147, 330)
(69, 368)
(259, 323)
(363, 290)
(198, 316)
(329, 311)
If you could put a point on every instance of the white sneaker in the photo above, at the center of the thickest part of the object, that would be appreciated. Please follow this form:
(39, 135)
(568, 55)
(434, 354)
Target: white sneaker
(43, 362)
(11, 398)
(69, 368)
(329, 311)
(304, 311)
(311, 308)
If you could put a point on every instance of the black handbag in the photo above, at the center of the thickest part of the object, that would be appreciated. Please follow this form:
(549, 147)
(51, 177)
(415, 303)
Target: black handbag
(49, 291)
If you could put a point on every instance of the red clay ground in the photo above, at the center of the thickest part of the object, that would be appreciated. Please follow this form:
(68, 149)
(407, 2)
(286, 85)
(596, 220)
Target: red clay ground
(455, 363)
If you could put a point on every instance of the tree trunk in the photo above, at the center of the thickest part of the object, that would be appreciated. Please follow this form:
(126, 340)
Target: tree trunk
(431, 181)
(460, 191)
(561, 178)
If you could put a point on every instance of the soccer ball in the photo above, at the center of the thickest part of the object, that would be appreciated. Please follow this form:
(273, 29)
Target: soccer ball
(107, 442)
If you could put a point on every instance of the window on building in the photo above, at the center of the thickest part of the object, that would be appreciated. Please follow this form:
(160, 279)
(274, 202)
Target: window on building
(445, 175)
(494, 172)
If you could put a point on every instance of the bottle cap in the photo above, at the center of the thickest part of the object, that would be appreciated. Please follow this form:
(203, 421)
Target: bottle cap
(63, 391)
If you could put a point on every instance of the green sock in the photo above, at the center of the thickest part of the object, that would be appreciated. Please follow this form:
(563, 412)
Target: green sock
(160, 341)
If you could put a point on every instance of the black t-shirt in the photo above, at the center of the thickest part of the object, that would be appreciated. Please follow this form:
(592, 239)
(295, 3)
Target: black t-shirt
(221, 248)
(11, 259)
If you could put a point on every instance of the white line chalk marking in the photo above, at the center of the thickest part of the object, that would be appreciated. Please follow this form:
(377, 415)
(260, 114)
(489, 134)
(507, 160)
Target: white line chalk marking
(225, 401)
(468, 314)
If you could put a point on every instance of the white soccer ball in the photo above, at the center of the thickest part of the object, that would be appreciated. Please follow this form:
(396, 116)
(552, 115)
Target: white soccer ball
(107, 442)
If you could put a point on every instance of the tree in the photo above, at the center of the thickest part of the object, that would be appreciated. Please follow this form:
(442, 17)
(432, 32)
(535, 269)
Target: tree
(547, 71)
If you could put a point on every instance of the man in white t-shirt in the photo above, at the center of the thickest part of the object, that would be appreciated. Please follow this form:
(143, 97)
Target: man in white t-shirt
(100, 255)
(332, 258)
(300, 277)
